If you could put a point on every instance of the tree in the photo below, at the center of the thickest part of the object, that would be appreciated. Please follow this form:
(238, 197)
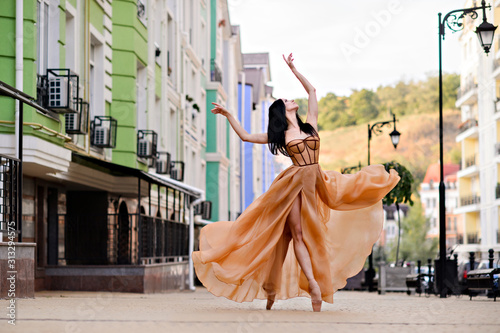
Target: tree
(333, 112)
(401, 193)
(364, 105)
(303, 106)
(416, 245)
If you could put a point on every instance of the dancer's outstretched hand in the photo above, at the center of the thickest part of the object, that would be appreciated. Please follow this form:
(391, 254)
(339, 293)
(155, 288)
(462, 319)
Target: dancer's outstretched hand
(220, 109)
(289, 61)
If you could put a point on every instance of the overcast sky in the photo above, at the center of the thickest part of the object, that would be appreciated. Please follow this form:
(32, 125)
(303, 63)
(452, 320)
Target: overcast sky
(345, 45)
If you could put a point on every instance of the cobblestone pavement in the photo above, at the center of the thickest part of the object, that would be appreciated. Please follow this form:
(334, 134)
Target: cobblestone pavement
(202, 312)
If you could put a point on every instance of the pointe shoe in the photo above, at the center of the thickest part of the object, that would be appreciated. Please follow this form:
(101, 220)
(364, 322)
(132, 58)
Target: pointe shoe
(316, 303)
(270, 302)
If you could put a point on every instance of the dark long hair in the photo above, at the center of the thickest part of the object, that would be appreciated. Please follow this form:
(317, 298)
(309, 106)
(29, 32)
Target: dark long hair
(278, 125)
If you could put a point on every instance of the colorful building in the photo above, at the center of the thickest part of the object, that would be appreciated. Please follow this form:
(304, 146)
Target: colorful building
(429, 196)
(114, 165)
(479, 137)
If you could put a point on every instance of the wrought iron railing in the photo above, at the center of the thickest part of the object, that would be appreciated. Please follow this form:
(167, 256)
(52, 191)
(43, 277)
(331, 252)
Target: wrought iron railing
(470, 161)
(469, 123)
(464, 89)
(162, 240)
(215, 72)
(472, 238)
(470, 200)
(10, 190)
(131, 239)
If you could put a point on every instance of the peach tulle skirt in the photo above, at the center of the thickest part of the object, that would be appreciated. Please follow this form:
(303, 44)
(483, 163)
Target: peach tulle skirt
(341, 219)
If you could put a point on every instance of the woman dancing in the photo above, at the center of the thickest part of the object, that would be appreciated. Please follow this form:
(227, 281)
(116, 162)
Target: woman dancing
(308, 233)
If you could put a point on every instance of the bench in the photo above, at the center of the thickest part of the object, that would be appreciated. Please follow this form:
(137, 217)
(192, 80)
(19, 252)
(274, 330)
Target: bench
(484, 279)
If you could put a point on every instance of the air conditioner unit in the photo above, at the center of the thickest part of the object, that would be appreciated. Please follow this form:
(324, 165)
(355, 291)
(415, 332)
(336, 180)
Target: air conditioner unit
(175, 173)
(162, 167)
(144, 148)
(101, 136)
(206, 210)
(59, 96)
(72, 122)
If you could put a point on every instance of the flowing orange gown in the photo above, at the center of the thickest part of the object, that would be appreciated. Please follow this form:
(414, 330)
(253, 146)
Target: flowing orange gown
(341, 218)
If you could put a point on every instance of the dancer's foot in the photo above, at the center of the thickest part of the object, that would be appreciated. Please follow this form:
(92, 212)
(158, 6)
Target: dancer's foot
(270, 301)
(315, 292)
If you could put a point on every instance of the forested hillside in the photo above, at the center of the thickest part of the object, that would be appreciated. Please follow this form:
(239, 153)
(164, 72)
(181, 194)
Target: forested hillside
(344, 134)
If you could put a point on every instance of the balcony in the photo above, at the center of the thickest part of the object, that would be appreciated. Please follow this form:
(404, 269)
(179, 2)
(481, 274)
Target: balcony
(497, 191)
(472, 238)
(470, 167)
(470, 200)
(467, 93)
(470, 161)
(468, 129)
(215, 72)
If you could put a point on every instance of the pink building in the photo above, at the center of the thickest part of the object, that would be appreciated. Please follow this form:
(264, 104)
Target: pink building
(429, 194)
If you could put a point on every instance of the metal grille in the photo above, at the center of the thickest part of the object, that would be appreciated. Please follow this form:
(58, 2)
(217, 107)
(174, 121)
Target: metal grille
(163, 240)
(10, 177)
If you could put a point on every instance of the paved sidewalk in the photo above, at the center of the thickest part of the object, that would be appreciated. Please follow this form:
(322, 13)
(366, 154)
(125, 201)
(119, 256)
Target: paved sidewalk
(201, 312)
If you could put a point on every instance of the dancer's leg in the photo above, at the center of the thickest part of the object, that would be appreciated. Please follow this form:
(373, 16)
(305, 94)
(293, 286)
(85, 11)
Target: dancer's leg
(301, 251)
(274, 278)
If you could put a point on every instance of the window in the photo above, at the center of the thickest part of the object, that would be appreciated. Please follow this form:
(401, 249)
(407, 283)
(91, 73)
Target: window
(42, 7)
(141, 97)
(70, 42)
(96, 75)
(171, 51)
(92, 82)
(158, 28)
(172, 134)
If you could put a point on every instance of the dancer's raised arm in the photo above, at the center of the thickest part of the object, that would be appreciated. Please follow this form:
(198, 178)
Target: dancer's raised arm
(312, 112)
(242, 133)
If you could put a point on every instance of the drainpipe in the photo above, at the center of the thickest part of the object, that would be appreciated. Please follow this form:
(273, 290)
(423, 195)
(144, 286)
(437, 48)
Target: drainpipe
(242, 143)
(191, 242)
(19, 69)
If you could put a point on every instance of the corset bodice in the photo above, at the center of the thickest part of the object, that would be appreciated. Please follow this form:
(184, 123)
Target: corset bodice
(304, 151)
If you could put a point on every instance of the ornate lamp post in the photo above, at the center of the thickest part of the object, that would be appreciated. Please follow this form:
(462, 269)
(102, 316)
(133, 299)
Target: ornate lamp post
(376, 129)
(485, 32)
(351, 168)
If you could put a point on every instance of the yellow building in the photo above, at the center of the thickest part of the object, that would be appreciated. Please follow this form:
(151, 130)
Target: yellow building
(479, 177)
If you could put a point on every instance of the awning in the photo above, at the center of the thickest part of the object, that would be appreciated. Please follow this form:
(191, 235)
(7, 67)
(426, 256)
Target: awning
(118, 170)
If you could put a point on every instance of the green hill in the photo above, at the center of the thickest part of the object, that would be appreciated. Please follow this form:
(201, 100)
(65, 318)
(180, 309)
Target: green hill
(418, 146)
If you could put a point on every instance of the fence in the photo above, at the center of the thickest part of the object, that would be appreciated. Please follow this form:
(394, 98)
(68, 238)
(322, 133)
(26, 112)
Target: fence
(163, 240)
(10, 195)
(131, 239)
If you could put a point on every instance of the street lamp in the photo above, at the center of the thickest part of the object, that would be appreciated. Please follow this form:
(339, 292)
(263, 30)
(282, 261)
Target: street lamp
(376, 129)
(485, 32)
